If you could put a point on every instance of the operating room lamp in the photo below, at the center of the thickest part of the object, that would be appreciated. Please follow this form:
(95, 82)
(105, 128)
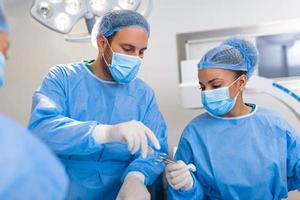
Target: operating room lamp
(62, 15)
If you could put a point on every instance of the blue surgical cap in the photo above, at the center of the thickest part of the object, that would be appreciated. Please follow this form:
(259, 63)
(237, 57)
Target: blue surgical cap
(115, 20)
(3, 22)
(235, 53)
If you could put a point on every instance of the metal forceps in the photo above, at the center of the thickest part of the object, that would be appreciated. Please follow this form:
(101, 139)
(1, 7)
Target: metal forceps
(163, 157)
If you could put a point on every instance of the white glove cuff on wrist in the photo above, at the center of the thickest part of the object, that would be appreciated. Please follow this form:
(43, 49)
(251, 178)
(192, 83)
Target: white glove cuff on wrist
(100, 134)
(137, 175)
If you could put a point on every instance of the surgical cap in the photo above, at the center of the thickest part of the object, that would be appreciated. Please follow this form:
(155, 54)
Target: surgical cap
(115, 20)
(236, 53)
(3, 22)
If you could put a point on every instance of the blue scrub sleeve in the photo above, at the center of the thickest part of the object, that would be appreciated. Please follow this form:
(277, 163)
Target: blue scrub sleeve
(3, 21)
(153, 120)
(293, 160)
(185, 153)
(49, 119)
(29, 170)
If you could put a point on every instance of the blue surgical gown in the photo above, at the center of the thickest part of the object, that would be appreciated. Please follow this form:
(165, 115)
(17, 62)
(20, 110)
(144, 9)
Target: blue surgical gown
(28, 169)
(256, 156)
(3, 21)
(70, 102)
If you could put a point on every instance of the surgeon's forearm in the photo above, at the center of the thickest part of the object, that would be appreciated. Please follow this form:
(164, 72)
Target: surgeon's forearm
(100, 134)
(65, 136)
(147, 167)
(136, 174)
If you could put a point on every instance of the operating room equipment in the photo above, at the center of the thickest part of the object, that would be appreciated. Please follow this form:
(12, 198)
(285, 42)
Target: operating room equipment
(160, 157)
(62, 15)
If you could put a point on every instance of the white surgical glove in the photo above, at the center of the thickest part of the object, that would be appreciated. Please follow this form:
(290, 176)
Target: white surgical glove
(133, 133)
(133, 188)
(179, 176)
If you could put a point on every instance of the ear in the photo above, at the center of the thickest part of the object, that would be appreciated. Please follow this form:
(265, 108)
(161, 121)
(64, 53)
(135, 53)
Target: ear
(101, 43)
(242, 82)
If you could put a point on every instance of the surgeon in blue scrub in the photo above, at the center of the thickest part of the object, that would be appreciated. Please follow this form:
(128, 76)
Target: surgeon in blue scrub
(28, 169)
(241, 151)
(100, 119)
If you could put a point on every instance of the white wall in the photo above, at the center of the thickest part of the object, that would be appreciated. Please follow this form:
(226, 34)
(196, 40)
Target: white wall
(34, 49)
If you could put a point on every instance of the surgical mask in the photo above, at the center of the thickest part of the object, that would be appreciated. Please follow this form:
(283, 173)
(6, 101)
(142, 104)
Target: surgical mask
(218, 101)
(123, 68)
(2, 69)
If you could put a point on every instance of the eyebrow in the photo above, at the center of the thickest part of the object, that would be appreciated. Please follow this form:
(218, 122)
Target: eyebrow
(125, 44)
(215, 79)
(132, 46)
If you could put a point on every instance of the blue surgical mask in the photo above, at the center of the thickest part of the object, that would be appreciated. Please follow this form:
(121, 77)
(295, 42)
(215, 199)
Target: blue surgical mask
(2, 69)
(123, 68)
(218, 101)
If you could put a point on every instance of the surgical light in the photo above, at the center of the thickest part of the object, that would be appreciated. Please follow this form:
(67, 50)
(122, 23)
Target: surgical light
(73, 7)
(45, 10)
(98, 5)
(55, 1)
(62, 22)
(62, 15)
(129, 4)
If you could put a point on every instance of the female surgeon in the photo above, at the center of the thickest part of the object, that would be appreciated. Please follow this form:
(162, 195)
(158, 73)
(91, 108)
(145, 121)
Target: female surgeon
(240, 150)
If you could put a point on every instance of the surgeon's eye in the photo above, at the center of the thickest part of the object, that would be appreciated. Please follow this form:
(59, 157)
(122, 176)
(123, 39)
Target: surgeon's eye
(127, 49)
(141, 54)
(216, 86)
(202, 88)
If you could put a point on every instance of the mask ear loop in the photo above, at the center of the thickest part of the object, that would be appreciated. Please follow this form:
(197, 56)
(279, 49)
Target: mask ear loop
(110, 50)
(233, 84)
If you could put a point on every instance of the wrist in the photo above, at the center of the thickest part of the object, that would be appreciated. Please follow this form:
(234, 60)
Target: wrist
(136, 174)
(188, 186)
(100, 134)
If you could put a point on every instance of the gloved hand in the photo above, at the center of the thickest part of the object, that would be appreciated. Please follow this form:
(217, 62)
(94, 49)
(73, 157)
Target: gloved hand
(179, 176)
(133, 188)
(133, 133)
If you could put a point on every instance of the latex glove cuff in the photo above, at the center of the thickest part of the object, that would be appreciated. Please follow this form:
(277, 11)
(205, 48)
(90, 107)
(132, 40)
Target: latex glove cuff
(100, 134)
(136, 174)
